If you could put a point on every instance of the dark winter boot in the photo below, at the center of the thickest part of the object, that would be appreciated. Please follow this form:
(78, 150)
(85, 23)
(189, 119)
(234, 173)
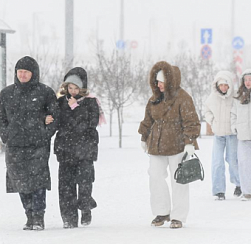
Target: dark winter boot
(69, 225)
(237, 191)
(86, 217)
(29, 223)
(220, 196)
(38, 221)
(159, 220)
(175, 224)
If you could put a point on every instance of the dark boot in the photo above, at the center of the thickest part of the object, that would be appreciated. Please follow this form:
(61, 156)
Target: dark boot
(38, 221)
(159, 220)
(69, 225)
(29, 223)
(86, 217)
(237, 191)
(175, 224)
(220, 196)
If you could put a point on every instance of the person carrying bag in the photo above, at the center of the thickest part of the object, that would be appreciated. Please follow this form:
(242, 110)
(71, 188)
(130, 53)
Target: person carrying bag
(189, 170)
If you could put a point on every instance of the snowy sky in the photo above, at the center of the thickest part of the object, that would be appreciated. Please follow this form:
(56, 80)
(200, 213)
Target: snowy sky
(159, 26)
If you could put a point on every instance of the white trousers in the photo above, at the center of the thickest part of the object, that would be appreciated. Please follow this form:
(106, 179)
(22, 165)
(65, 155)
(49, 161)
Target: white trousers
(160, 198)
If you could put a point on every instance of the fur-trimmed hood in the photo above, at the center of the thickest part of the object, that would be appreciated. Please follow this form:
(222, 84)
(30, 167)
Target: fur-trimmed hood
(172, 79)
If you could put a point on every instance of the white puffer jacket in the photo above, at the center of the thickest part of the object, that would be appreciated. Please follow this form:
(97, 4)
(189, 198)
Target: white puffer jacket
(218, 106)
(241, 116)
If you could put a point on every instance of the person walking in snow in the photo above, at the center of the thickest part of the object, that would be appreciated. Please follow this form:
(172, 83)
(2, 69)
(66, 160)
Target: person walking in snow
(23, 109)
(76, 147)
(241, 125)
(217, 114)
(169, 129)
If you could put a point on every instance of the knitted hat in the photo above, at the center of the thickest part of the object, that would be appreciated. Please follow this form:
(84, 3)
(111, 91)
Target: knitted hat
(74, 79)
(160, 76)
(222, 81)
(73, 75)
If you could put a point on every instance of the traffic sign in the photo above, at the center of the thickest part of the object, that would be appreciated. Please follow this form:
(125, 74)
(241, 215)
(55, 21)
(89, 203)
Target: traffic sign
(120, 44)
(206, 36)
(134, 44)
(238, 42)
(206, 52)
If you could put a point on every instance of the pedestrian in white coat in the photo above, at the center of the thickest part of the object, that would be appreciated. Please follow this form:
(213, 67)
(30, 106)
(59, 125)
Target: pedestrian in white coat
(217, 114)
(241, 124)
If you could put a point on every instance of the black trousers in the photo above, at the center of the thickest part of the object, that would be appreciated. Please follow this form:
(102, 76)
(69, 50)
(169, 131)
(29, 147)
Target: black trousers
(34, 202)
(75, 189)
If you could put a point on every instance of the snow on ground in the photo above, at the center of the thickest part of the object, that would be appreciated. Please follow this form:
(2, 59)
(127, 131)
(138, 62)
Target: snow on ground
(123, 215)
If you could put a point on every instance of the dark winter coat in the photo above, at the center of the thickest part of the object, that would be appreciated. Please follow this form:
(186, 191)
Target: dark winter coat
(170, 120)
(23, 108)
(77, 138)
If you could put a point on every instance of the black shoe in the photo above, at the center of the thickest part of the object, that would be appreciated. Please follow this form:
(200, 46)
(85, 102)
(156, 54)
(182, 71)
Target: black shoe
(159, 220)
(38, 221)
(29, 223)
(86, 217)
(220, 196)
(68, 225)
(237, 191)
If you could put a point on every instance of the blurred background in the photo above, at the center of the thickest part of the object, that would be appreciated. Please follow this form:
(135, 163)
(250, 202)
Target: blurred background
(118, 41)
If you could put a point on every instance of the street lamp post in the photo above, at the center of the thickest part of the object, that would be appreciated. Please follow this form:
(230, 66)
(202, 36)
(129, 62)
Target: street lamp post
(69, 40)
(4, 29)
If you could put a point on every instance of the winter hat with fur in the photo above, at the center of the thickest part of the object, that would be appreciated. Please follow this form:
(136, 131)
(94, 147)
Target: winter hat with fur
(77, 76)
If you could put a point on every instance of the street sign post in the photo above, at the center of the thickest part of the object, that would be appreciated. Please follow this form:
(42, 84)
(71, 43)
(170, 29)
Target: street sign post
(206, 36)
(238, 42)
(206, 52)
(134, 44)
(120, 44)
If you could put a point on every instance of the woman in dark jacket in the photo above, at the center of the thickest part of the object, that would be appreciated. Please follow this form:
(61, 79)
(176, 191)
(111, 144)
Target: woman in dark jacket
(76, 147)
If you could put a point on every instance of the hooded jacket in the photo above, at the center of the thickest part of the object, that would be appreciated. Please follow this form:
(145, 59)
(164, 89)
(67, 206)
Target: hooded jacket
(170, 120)
(23, 108)
(241, 115)
(77, 138)
(218, 106)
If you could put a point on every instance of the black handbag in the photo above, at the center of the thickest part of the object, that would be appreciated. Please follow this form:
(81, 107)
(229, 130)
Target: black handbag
(189, 170)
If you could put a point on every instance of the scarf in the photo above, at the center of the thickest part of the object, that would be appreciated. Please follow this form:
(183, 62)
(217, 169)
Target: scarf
(102, 119)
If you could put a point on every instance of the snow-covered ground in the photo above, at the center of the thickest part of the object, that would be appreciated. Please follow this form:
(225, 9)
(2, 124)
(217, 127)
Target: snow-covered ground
(123, 215)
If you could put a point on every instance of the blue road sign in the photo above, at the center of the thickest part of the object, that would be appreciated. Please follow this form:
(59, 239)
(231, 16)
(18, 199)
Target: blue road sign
(206, 52)
(238, 42)
(120, 44)
(206, 36)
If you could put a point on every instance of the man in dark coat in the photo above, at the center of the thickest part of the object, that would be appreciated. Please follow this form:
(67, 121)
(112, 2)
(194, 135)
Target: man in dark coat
(23, 109)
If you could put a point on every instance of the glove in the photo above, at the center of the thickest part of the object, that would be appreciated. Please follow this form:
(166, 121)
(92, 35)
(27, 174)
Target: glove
(189, 149)
(144, 146)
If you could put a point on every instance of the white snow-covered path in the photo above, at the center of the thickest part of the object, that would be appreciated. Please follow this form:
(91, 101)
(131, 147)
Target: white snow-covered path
(123, 215)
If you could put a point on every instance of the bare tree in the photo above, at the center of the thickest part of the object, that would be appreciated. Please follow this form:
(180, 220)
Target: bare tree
(196, 76)
(118, 81)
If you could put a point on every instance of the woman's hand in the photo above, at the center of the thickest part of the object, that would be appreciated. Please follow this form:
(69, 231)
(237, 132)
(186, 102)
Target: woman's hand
(49, 119)
(71, 101)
